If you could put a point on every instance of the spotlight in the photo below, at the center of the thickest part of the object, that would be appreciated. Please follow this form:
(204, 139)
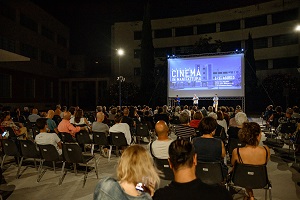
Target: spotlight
(236, 50)
(242, 50)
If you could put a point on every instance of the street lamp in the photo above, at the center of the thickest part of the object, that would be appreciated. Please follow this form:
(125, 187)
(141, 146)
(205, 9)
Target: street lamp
(297, 28)
(120, 78)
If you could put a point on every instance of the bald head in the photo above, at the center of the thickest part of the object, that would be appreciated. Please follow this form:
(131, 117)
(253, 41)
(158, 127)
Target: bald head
(100, 116)
(67, 115)
(161, 129)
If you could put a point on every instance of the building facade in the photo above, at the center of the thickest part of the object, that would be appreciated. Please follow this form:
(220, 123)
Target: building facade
(272, 26)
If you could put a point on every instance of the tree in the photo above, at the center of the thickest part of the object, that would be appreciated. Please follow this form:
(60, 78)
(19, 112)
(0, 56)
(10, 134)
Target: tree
(129, 93)
(205, 45)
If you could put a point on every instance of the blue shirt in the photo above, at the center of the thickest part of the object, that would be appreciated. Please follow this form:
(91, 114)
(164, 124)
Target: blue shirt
(51, 124)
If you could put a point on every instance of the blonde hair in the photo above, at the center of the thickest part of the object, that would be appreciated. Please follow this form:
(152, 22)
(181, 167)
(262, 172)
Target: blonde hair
(136, 163)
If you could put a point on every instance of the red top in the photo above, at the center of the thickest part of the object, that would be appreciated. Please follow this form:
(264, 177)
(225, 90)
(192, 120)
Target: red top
(195, 123)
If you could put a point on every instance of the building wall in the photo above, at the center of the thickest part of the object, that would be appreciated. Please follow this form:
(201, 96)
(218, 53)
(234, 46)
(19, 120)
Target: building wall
(28, 30)
(272, 24)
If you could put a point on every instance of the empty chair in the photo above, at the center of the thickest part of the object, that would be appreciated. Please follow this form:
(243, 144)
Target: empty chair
(252, 177)
(28, 150)
(142, 130)
(66, 137)
(83, 138)
(73, 154)
(10, 148)
(49, 153)
(100, 138)
(210, 172)
(117, 140)
(164, 167)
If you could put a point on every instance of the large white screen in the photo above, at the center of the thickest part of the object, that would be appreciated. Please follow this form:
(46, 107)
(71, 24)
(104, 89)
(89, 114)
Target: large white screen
(206, 76)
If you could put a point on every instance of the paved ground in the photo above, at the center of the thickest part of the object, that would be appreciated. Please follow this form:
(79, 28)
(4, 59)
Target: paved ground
(282, 173)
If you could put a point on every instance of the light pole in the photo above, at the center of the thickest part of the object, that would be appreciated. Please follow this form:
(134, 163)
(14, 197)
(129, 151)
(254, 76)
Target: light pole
(120, 78)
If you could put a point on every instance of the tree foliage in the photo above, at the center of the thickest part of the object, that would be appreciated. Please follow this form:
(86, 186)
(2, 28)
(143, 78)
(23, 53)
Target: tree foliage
(129, 93)
(206, 45)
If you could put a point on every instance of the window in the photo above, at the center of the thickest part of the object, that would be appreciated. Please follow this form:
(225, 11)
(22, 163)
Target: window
(231, 46)
(137, 53)
(47, 33)
(47, 58)
(137, 35)
(284, 16)
(29, 51)
(206, 28)
(61, 63)
(256, 21)
(61, 40)
(137, 71)
(163, 52)
(163, 33)
(183, 31)
(29, 88)
(7, 44)
(230, 25)
(282, 40)
(28, 23)
(261, 64)
(259, 43)
(291, 62)
(5, 86)
(7, 11)
(184, 50)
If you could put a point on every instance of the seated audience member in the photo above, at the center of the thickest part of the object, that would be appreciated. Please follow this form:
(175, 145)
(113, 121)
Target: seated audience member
(220, 131)
(159, 148)
(252, 153)
(208, 148)
(183, 130)
(183, 161)
(44, 138)
(273, 120)
(288, 124)
(148, 119)
(126, 119)
(269, 112)
(135, 166)
(34, 115)
(198, 116)
(225, 115)
(6, 121)
(57, 110)
(204, 112)
(161, 116)
(296, 113)
(79, 120)
(232, 121)
(51, 123)
(221, 120)
(209, 110)
(99, 126)
(240, 118)
(72, 111)
(121, 127)
(112, 113)
(18, 117)
(66, 127)
(64, 109)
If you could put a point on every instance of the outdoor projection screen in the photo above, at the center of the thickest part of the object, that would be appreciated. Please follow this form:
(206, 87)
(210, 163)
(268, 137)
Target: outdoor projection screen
(206, 76)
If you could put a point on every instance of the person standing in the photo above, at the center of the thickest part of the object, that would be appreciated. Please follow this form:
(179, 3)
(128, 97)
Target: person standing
(215, 104)
(177, 100)
(195, 100)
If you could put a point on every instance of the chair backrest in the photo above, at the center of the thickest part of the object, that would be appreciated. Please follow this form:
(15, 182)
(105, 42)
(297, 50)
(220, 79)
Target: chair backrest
(289, 127)
(83, 137)
(142, 130)
(10, 131)
(35, 131)
(72, 153)
(49, 152)
(118, 139)
(10, 147)
(100, 138)
(210, 172)
(29, 149)
(297, 138)
(234, 143)
(66, 137)
(250, 176)
(164, 167)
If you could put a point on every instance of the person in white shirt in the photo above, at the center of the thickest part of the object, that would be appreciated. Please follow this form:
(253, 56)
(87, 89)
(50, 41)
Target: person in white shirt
(44, 138)
(159, 148)
(121, 127)
(195, 100)
(216, 101)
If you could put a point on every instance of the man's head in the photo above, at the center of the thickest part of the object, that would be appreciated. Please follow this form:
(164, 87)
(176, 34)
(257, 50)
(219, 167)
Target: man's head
(184, 118)
(182, 155)
(41, 123)
(67, 115)
(35, 111)
(126, 112)
(100, 116)
(289, 112)
(161, 129)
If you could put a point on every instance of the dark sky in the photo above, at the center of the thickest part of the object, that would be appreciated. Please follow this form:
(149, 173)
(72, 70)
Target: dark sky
(90, 21)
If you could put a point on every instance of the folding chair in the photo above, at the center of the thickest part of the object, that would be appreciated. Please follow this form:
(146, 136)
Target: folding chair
(210, 172)
(73, 154)
(83, 138)
(10, 148)
(142, 130)
(252, 177)
(67, 137)
(49, 153)
(234, 143)
(28, 150)
(100, 138)
(118, 140)
(163, 165)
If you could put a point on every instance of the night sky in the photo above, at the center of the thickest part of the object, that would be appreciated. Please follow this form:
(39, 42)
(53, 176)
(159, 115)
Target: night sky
(90, 21)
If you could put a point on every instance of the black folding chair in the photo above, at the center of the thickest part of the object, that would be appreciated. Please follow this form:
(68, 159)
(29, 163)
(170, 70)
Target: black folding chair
(35, 131)
(234, 143)
(142, 130)
(252, 177)
(73, 154)
(49, 153)
(67, 137)
(117, 140)
(164, 167)
(10, 148)
(28, 150)
(210, 172)
(83, 138)
(100, 138)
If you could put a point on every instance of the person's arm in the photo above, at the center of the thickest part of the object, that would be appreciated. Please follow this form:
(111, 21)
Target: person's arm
(223, 150)
(74, 130)
(59, 145)
(268, 150)
(56, 131)
(234, 157)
